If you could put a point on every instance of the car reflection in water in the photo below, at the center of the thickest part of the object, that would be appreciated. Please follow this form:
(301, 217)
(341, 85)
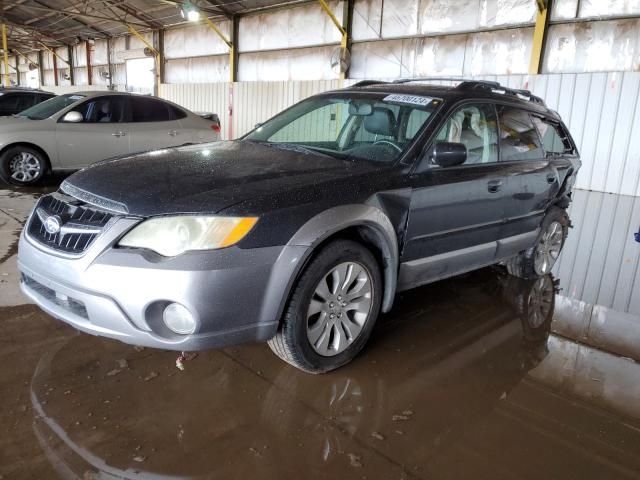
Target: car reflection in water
(436, 370)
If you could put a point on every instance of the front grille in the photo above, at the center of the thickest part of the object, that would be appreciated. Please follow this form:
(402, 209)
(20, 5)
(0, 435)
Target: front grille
(73, 225)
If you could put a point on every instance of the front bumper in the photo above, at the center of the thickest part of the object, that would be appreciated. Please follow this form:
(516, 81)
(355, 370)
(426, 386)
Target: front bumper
(236, 295)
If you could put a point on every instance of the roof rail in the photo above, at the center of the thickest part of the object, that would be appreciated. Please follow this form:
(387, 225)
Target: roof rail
(366, 83)
(495, 87)
(464, 84)
(429, 79)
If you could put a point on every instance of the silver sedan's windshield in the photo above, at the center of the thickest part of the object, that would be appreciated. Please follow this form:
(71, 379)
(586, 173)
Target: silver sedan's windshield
(374, 127)
(50, 107)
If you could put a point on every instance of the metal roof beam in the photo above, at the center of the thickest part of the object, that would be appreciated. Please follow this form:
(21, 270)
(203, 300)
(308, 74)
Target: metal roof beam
(73, 14)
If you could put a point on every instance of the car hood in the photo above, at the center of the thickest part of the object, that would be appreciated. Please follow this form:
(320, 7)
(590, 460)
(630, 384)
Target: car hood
(205, 178)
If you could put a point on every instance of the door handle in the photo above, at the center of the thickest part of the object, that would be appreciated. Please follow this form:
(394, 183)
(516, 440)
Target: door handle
(119, 134)
(494, 186)
(173, 133)
(551, 178)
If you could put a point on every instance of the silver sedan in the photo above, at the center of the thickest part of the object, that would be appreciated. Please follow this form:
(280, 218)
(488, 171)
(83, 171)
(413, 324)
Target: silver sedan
(72, 131)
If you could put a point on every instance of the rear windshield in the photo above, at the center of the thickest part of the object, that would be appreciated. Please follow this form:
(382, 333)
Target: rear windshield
(371, 127)
(50, 107)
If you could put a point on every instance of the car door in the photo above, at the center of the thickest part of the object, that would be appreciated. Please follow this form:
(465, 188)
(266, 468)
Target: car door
(530, 178)
(456, 212)
(155, 125)
(102, 133)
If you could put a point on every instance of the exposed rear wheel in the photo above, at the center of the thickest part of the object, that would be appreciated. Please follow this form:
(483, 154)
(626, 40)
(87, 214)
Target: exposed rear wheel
(540, 259)
(332, 309)
(21, 165)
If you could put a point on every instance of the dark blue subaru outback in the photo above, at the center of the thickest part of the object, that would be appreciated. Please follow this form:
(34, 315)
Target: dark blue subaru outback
(303, 231)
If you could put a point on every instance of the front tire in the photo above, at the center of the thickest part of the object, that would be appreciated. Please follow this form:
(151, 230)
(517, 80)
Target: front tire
(22, 165)
(540, 259)
(332, 310)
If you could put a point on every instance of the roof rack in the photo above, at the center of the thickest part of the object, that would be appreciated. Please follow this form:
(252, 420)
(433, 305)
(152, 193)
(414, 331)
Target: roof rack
(495, 87)
(464, 84)
(366, 83)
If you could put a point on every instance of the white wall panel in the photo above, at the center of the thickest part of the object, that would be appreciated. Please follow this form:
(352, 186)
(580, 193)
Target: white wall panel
(197, 69)
(289, 28)
(298, 64)
(195, 41)
(593, 47)
(600, 262)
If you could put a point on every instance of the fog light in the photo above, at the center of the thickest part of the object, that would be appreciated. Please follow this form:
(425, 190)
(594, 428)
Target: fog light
(179, 319)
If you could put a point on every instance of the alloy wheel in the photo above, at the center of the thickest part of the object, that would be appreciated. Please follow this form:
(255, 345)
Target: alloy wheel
(339, 308)
(548, 248)
(24, 167)
(540, 301)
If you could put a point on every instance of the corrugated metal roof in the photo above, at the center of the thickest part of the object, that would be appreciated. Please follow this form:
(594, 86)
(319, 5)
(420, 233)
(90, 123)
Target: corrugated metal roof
(60, 22)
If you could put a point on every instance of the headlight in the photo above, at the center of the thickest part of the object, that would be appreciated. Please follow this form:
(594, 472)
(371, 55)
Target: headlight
(171, 236)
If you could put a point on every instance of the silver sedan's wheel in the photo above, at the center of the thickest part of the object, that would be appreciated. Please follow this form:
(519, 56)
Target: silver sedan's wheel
(548, 248)
(25, 167)
(339, 308)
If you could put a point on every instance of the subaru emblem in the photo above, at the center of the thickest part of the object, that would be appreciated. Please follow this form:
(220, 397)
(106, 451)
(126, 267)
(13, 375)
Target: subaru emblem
(52, 224)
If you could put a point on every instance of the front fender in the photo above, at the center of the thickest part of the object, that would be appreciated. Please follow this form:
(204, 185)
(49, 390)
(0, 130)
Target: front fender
(373, 219)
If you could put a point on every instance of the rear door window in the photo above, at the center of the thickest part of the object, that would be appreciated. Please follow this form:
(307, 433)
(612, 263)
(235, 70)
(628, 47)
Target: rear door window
(519, 138)
(147, 110)
(554, 140)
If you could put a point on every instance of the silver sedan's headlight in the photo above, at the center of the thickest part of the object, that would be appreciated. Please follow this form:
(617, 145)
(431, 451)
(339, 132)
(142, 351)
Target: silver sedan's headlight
(171, 236)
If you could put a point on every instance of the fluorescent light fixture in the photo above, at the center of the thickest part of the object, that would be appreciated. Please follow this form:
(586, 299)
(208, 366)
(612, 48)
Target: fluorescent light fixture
(190, 12)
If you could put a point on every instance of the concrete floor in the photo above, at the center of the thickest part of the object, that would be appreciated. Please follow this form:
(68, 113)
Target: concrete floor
(459, 381)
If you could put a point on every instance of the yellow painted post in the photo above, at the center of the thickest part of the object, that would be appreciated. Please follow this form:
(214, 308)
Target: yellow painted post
(539, 36)
(156, 55)
(7, 76)
(50, 50)
(222, 36)
(344, 41)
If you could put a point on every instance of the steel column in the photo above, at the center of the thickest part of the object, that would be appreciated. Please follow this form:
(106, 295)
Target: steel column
(344, 41)
(7, 75)
(539, 36)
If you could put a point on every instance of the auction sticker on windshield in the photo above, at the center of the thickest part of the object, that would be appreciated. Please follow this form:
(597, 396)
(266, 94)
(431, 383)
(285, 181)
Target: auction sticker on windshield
(410, 99)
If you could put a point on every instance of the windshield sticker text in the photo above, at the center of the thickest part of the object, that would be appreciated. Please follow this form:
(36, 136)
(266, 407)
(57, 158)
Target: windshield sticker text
(410, 99)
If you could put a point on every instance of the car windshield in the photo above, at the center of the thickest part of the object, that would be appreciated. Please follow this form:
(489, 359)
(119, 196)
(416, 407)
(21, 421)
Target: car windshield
(356, 126)
(50, 107)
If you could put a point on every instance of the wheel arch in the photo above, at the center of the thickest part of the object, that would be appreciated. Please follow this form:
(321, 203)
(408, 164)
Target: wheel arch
(47, 157)
(368, 225)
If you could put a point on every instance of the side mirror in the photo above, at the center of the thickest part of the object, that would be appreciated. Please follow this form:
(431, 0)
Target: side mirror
(73, 117)
(257, 125)
(448, 154)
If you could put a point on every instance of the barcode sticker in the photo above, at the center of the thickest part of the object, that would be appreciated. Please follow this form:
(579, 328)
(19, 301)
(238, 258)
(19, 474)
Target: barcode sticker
(410, 99)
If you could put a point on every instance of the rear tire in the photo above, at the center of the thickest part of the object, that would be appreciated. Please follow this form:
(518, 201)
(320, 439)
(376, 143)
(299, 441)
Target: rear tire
(332, 309)
(540, 259)
(22, 165)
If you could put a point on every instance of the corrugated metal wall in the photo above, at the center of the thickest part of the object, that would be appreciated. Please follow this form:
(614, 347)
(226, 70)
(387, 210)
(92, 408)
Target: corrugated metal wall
(601, 110)
(600, 262)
